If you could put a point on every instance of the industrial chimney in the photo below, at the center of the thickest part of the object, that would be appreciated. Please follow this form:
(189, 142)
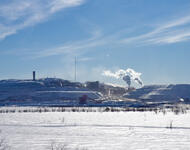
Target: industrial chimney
(34, 75)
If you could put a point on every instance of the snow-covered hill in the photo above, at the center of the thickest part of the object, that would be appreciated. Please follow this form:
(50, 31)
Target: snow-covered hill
(54, 91)
(43, 92)
(162, 93)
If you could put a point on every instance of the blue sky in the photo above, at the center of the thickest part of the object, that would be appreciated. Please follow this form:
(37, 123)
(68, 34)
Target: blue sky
(152, 37)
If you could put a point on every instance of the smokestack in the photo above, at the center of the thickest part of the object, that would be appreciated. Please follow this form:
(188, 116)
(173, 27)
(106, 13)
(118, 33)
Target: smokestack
(34, 75)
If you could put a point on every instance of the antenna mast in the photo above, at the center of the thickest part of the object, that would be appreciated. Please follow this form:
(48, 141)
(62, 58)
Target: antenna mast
(75, 68)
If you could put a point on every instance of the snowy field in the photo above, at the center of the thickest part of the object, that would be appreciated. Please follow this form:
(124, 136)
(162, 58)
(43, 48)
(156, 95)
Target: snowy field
(96, 130)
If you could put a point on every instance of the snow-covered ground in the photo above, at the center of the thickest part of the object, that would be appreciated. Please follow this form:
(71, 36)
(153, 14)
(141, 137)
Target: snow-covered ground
(96, 130)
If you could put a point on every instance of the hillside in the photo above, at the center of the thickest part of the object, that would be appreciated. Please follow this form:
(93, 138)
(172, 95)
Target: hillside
(162, 93)
(48, 91)
(59, 92)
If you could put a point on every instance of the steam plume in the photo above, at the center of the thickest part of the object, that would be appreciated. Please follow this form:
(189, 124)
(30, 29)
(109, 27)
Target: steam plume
(126, 75)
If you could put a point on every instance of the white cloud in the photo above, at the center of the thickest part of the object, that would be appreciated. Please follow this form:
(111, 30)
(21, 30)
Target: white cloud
(84, 59)
(167, 33)
(75, 48)
(168, 39)
(16, 15)
(57, 5)
(171, 32)
(178, 22)
(67, 49)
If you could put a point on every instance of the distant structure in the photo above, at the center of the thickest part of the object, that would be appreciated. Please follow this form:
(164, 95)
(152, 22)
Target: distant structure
(106, 89)
(93, 85)
(34, 75)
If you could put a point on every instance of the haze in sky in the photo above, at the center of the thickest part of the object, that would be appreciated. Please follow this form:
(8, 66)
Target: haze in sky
(151, 37)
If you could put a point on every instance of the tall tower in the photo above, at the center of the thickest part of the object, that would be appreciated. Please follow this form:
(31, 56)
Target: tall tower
(75, 69)
(34, 75)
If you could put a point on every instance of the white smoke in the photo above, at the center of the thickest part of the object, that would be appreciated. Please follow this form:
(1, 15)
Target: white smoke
(118, 74)
(126, 75)
(135, 76)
